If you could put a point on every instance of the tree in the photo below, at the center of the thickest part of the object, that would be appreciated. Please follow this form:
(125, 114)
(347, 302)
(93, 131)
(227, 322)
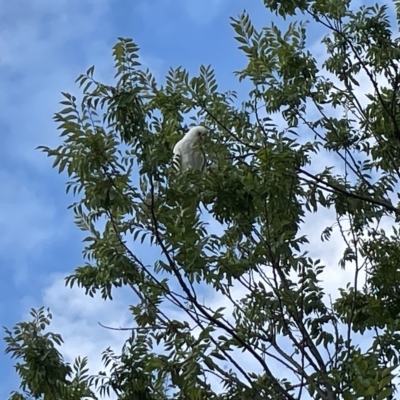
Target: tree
(261, 184)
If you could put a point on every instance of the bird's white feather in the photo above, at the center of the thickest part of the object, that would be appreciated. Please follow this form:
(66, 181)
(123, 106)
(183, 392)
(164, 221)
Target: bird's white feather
(188, 152)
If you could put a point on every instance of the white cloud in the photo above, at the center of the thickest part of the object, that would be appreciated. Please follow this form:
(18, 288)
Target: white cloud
(37, 61)
(37, 28)
(77, 316)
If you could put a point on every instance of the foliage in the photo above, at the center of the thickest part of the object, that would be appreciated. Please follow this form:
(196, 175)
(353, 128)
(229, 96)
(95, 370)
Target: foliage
(267, 302)
(43, 371)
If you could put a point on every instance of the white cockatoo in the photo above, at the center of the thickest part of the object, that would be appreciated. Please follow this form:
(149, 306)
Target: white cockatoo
(187, 152)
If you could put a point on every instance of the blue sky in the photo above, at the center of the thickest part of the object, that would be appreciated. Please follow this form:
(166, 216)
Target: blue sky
(44, 46)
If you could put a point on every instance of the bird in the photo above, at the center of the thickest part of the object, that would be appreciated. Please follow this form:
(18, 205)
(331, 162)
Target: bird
(187, 151)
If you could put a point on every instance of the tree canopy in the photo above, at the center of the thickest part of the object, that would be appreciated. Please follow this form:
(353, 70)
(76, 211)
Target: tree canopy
(266, 303)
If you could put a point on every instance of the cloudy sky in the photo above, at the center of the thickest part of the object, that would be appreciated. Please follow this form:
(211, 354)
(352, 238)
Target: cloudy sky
(44, 46)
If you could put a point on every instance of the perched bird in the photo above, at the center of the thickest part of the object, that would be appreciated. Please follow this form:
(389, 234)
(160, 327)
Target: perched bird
(187, 152)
